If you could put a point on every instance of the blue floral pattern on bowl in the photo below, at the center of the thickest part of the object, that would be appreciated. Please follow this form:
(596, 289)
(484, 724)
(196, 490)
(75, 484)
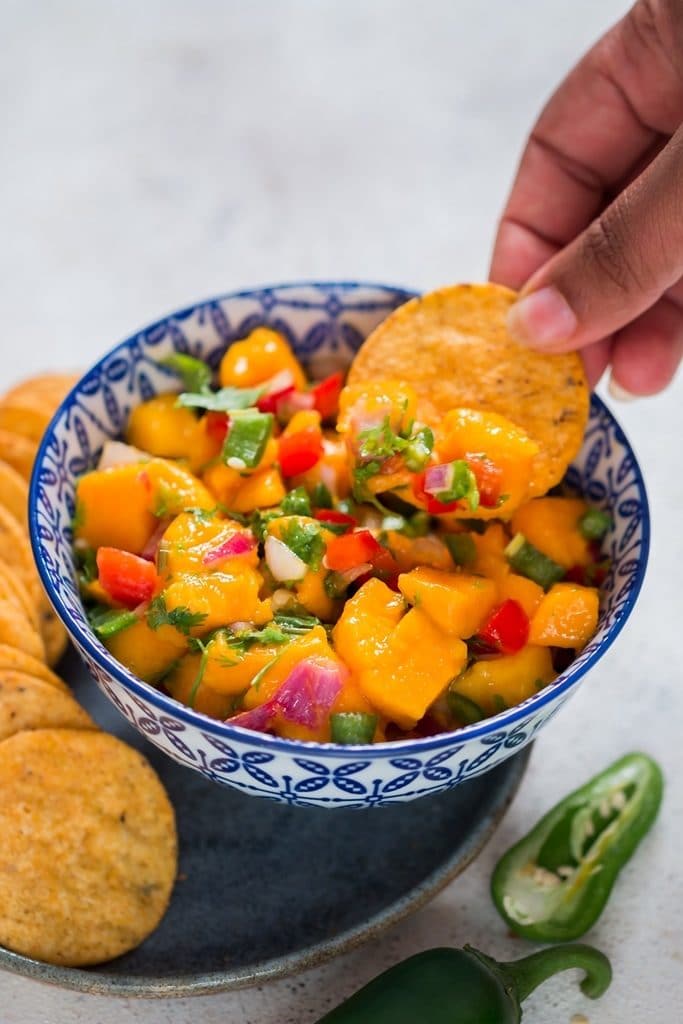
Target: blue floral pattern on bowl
(325, 323)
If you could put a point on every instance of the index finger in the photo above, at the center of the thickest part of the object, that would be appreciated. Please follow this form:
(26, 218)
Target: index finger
(610, 110)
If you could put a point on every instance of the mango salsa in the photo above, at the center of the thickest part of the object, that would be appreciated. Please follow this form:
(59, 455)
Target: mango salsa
(358, 581)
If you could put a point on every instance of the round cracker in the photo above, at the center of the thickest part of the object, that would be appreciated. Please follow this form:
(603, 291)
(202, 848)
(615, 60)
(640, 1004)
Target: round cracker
(17, 631)
(30, 703)
(89, 849)
(28, 416)
(15, 551)
(50, 388)
(18, 452)
(14, 660)
(453, 347)
(53, 634)
(14, 493)
(12, 589)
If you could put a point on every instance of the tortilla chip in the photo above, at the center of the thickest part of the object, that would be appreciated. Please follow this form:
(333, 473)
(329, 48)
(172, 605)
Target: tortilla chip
(14, 493)
(17, 631)
(14, 660)
(89, 849)
(452, 346)
(18, 452)
(30, 703)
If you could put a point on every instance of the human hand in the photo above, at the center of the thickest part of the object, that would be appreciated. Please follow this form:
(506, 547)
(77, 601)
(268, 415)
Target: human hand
(593, 227)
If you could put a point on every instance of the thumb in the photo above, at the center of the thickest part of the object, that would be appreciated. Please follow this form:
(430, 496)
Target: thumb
(617, 268)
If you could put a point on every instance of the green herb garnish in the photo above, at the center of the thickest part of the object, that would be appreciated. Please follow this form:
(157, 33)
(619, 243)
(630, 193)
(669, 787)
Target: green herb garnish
(180, 618)
(225, 400)
(463, 486)
(296, 503)
(305, 540)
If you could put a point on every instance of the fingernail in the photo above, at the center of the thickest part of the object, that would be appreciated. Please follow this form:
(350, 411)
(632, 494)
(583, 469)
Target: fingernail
(542, 319)
(621, 394)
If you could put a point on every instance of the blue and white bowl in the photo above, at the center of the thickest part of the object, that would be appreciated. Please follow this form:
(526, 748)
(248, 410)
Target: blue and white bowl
(325, 324)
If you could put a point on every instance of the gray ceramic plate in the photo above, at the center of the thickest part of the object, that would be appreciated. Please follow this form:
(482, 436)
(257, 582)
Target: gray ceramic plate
(266, 889)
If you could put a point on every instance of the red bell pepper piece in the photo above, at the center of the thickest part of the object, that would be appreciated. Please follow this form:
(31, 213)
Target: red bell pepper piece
(331, 515)
(270, 403)
(430, 503)
(300, 451)
(127, 578)
(507, 628)
(488, 477)
(351, 549)
(217, 424)
(326, 395)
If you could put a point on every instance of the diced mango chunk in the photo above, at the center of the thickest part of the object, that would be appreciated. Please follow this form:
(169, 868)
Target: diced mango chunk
(220, 597)
(148, 653)
(191, 542)
(466, 433)
(257, 358)
(186, 685)
(522, 590)
(566, 617)
(114, 509)
(458, 603)
(498, 683)
(262, 490)
(231, 671)
(364, 626)
(411, 671)
(552, 526)
(161, 427)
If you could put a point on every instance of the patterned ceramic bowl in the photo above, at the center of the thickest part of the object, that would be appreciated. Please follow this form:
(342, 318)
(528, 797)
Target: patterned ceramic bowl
(325, 324)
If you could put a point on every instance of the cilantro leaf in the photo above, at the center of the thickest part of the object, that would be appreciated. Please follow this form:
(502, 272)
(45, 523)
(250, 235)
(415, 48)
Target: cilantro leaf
(296, 625)
(225, 400)
(305, 540)
(195, 374)
(180, 618)
(296, 503)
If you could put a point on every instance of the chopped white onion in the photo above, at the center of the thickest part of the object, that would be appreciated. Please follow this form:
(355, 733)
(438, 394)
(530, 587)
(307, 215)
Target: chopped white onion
(281, 599)
(116, 453)
(282, 562)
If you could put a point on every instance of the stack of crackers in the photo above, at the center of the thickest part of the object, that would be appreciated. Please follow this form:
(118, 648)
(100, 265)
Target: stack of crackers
(88, 855)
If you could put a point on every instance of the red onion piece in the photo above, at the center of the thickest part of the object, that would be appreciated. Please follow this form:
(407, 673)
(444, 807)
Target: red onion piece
(240, 543)
(152, 546)
(438, 478)
(306, 696)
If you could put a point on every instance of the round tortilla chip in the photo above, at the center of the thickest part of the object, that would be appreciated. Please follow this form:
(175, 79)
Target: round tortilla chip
(89, 849)
(12, 589)
(18, 452)
(17, 631)
(453, 347)
(14, 493)
(14, 660)
(30, 703)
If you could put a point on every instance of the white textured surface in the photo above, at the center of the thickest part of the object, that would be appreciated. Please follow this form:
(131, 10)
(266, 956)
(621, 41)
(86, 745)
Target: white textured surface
(160, 152)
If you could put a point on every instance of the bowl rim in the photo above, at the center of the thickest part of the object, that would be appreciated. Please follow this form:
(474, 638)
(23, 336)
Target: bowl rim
(85, 638)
